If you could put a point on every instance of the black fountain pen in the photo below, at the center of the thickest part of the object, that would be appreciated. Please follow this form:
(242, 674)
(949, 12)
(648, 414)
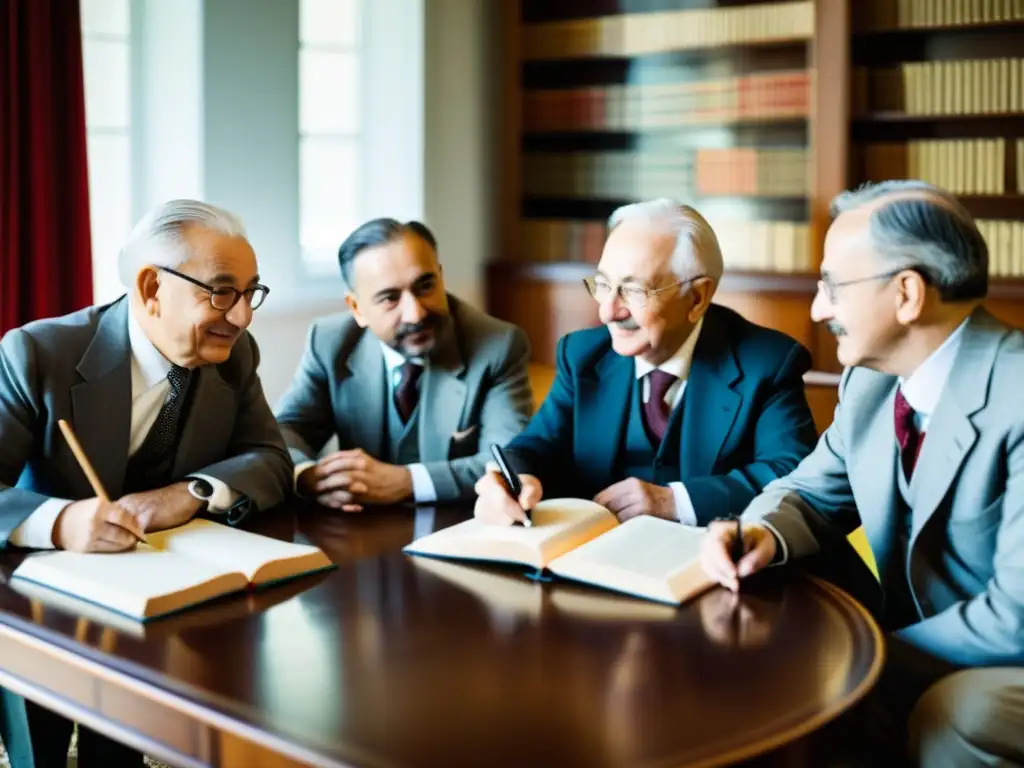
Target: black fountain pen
(738, 548)
(515, 485)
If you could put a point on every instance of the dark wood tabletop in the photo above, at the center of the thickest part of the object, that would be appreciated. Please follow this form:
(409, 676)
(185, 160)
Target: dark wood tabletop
(391, 660)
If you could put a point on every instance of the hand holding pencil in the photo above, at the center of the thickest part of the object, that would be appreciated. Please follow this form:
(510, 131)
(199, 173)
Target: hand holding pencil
(96, 524)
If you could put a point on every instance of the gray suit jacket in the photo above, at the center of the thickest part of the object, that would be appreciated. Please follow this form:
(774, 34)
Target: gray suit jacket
(474, 392)
(78, 367)
(966, 549)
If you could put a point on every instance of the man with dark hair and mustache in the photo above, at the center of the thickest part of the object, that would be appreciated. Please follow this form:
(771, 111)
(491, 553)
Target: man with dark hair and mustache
(416, 384)
(676, 408)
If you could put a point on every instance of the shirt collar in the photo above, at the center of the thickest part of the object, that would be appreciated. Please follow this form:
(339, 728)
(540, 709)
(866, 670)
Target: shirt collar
(394, 359)
(151, 365)
(924, 386)
(679, 364)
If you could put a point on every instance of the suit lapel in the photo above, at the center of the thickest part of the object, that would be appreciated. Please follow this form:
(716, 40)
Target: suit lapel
(950, 434)
(604, 392)
(442, 397)
(211, 413)
(710, 403)
(877, 492)
(363, 400)
(102, 402)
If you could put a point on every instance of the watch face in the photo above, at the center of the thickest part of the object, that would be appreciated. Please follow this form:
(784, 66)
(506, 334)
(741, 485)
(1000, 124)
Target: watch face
(201, 488)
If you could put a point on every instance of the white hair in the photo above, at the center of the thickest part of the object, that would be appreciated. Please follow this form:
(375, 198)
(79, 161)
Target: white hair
(697, 251)
(159, 237)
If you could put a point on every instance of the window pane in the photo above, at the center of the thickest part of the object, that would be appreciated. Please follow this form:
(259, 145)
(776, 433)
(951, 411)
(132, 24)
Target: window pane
(110, 181)
(328, 92)
(329, 179)
(105, 17)
(329, 22)
(107, 95)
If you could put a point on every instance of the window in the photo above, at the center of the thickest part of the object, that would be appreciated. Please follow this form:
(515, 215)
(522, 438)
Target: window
(329, 129)
(106, 54)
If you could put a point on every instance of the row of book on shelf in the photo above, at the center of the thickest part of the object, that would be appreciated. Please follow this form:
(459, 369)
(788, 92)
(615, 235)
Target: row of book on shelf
(780, 172)
(960, 87)
(963, 166)
(769, 95)
(765, 246)
(770, 246)
(903, 14)
(636, 34)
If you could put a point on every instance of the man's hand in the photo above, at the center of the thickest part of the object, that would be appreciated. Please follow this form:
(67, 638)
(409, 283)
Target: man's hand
(494, 503)
(632, 497)
(162, 508)
(92, 525)
(758, 543)
(349, 480)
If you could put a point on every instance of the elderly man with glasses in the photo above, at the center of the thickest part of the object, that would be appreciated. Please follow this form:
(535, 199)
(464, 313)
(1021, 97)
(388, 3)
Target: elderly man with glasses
(676, 407)
(161, 389)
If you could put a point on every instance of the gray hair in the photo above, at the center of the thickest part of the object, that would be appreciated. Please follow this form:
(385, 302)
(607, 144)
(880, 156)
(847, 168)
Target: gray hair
(925, 228)
(159, 237)
(697, 250)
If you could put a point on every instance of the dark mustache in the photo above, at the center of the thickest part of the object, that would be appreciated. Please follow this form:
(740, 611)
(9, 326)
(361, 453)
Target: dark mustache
(428, 323)
(835, 328)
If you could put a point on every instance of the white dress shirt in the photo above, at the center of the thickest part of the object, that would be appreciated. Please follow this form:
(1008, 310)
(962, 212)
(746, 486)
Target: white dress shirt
(923, 388)
(423, 491)
(149, 390)
(678, 365)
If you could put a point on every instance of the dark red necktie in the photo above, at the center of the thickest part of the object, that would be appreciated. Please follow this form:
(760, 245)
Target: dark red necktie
(907, 436)
(656, 410)
(407, 394)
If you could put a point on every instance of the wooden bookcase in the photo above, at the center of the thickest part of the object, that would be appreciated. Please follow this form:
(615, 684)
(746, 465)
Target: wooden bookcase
(611, 101)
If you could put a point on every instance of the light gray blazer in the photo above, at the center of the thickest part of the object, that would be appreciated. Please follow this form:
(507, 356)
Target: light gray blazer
(78, 367)
(475, 392)
(966, 550)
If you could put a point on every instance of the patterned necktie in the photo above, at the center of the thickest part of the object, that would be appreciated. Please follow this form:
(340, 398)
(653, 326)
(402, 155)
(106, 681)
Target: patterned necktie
(656, 410)
(907, 436)
(407, 394)
(164, 432)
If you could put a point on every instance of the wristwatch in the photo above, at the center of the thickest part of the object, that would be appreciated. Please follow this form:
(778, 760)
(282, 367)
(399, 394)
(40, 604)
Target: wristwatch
(202, 490)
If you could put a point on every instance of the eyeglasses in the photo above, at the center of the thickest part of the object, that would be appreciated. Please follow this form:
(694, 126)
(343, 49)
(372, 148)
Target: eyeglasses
(829, 288)
(634, 296)
(224, 299)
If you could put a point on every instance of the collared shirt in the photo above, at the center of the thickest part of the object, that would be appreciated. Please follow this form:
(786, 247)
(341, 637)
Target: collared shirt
(423, 491)
(149, 369)
(923, 388)
(678, 365)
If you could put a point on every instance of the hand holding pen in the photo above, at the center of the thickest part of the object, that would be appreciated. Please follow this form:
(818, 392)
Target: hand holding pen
(732, 551)
(504, 496)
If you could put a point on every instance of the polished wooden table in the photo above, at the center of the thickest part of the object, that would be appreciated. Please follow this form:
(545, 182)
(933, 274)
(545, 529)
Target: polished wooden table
(391, 660)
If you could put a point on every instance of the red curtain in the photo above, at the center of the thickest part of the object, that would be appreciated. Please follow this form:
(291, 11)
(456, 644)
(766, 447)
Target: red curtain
(45, 264)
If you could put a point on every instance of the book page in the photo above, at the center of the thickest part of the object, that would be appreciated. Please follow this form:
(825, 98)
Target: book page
(142, 583)
(559, 525)
(261, 558)
(646, 556)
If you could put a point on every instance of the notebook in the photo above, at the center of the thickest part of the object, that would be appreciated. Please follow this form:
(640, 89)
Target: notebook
(173, 570)
(581, 541)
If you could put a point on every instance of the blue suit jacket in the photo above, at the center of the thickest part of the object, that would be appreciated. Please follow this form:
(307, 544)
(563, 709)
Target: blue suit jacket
(745, 419)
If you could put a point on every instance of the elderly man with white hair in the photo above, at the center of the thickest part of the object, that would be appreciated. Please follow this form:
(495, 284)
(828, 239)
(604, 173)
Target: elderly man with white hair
(161, 390)
(676, 407)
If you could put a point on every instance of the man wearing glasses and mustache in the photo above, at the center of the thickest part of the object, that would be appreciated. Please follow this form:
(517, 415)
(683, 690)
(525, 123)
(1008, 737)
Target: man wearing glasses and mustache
(415, 384)
(161, 390)
(676, 408)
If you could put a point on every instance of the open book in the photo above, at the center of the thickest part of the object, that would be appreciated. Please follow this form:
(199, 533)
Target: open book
(173, 569)
(582, 541)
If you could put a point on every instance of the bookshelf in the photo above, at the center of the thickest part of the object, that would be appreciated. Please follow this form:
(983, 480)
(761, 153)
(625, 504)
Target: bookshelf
(757, 113)
(938, 94)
